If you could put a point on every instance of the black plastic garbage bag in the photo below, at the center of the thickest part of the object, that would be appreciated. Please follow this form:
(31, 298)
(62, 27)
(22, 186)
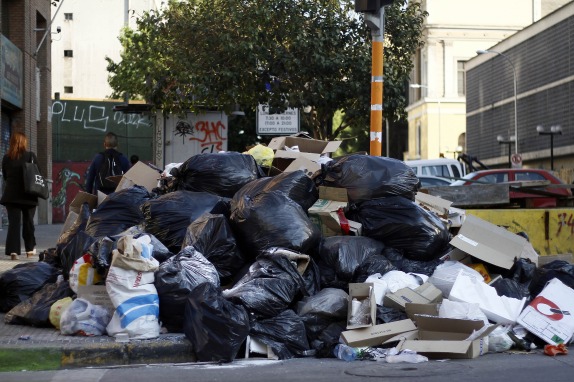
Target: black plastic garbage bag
(35, 311)
(312, 278)
(73, 250)
(272, 219)
(368, 177)
(175, 279)
(373, 264)
(340, 256)
(511, 288)
(327, 339)
(118, 212)
(296, 185)
(402, 224)
(215, 326)
(271, 285)
(560, 269)
(211, 235)
(168, 216)
(386, 314)
(321, 310)
(21, 282)
(284, 334)
(515, 282)
(221, 174)
(397, 258)
(101, 251)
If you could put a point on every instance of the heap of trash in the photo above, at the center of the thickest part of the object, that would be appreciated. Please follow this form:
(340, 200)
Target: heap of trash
(326, 257)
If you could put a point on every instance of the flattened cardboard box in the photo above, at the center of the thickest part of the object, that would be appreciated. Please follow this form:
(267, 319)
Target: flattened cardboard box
(424, 294)
(324, 212)
(140, 174)
(362, 292)
(305, 145)
(378, 334)
(491, 243)
(447, 338)
(550, 315)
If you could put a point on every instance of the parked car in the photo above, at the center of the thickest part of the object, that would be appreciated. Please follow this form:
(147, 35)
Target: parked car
(517, 176)
(437, 167)
(433, 181)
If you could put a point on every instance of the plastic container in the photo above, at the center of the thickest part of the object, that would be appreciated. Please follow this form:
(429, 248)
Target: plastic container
(344, 352)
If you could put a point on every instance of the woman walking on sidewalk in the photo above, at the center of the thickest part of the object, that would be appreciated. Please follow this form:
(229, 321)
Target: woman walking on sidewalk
(20, 206)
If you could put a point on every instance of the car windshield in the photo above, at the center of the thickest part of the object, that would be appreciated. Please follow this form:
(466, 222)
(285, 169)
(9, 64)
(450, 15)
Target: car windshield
(464, 179)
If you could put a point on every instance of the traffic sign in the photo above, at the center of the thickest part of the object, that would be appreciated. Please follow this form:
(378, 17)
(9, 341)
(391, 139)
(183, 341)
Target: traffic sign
(516, 160)
(286, 123)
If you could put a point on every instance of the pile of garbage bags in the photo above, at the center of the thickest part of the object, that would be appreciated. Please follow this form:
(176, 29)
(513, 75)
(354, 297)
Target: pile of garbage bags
(222, 252)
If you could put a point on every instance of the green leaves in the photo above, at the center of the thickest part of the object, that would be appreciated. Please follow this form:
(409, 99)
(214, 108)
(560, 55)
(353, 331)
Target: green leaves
(218, 53)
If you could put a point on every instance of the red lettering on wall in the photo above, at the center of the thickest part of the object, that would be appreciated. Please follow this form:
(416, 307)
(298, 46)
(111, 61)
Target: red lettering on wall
(209, 134)
(565, 220)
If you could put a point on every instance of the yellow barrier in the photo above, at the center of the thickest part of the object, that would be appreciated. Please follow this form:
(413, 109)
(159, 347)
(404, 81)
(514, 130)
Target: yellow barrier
(551, 231)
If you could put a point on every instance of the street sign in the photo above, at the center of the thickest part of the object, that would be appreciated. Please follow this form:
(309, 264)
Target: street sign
(285, 123)
(516, 160)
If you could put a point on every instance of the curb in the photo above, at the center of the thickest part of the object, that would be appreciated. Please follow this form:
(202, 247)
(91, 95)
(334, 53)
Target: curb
(173, 349)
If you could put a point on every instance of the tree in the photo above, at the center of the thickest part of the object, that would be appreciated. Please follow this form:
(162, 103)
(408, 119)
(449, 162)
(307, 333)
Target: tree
(309, 54)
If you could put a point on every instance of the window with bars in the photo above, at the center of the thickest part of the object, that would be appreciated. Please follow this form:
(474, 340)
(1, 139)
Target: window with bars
(68, 16)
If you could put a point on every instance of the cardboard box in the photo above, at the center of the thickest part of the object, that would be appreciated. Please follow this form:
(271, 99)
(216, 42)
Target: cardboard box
(550, 315)
(81, 198)
(378, 334)
(491, 243)
(253, 346)
(424, 294)
(448, 338)
(324, 212)
(308, 166)
(309, 151)
(414, 310)
(362, 293)
(141, 174)
(430, 292)
(305, 145)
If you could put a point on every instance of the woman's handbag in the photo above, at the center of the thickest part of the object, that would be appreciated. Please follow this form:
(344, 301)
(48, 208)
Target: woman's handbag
(34, 182)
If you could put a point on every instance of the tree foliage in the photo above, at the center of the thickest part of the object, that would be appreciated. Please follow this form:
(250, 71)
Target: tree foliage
(308, 54)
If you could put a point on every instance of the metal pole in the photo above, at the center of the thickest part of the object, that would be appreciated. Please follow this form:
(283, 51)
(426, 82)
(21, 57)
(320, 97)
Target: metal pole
(509, 155)
(515, 94)
(376, 24)
(552, 152)
(377, 97)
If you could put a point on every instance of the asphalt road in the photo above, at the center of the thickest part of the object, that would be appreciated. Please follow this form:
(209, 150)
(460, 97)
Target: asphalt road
(503, 367)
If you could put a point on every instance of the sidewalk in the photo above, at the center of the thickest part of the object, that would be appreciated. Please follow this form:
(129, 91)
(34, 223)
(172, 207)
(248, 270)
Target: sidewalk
(28, 345)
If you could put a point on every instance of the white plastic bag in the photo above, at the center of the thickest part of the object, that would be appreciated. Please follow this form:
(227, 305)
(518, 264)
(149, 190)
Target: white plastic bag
(82, 317)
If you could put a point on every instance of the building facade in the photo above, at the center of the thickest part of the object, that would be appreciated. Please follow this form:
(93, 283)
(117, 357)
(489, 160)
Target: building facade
(453, 31)
(25, 43)
(537, 62)
(90, 31)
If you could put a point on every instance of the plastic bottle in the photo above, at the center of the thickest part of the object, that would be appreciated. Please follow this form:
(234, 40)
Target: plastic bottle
(344, 352)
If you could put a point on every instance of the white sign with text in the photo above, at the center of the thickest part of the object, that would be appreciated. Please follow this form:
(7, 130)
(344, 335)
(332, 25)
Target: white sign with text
(285, 123)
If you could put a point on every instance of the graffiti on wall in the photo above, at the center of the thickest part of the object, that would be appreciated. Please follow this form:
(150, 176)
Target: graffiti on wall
(95, 116)
(69, 179)
(566, 222)
(196, 134)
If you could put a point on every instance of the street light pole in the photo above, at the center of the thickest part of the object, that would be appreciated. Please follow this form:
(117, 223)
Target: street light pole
(554, 130)
(374, 13)
(502, 141)
(515, 95)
